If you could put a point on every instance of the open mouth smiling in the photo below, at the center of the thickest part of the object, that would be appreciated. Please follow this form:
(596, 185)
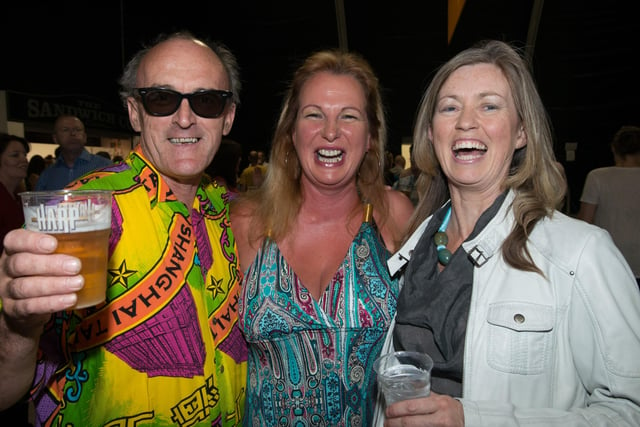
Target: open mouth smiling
(329, 156)
(469, 150)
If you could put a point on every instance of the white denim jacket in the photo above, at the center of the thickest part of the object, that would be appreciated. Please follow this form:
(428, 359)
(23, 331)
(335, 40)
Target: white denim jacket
(557, 351)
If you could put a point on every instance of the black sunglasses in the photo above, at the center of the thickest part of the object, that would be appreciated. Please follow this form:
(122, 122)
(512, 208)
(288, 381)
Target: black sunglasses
(164, 102)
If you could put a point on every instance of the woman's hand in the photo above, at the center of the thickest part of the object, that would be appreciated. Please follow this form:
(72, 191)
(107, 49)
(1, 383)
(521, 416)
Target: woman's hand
(437, 410)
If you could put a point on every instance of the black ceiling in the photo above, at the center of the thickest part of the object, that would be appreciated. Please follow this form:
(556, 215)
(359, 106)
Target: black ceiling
(584, 54)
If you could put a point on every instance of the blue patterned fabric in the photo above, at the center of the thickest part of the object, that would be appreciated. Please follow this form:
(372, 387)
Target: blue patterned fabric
(311, 362)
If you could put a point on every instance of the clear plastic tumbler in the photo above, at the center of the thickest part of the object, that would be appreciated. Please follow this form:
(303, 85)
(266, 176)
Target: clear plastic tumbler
(404, 375)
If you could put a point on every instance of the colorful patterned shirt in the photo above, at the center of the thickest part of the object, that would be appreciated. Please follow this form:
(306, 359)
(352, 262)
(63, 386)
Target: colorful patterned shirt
(311, 362)
(164, 349)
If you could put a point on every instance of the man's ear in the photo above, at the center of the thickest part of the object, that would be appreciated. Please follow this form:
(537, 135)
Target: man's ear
(134, 114)
(229, 116)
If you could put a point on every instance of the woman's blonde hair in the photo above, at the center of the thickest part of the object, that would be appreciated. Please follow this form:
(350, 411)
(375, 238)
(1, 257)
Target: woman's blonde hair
(534, 174)
(278, 201)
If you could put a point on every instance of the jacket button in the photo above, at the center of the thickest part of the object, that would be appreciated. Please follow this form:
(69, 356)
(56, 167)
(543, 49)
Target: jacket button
(519, 318)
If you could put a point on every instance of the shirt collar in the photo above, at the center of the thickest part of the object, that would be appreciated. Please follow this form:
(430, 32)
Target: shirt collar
(157, 189)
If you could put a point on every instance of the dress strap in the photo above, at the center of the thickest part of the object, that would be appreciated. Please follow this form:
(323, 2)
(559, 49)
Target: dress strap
(368, 212)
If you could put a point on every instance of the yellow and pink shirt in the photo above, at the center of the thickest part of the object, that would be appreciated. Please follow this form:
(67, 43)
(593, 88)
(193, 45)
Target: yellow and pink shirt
(165, 348)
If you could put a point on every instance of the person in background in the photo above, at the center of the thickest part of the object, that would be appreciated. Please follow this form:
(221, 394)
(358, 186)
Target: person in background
(262, 158)
(13, 171)
(164, 349)
(36, 165)
(317, 298)
(531, 317)
(104, 154)
(72, 159)
(407, 180)
(252, 177)
(225, 166)
(611, 196)
(386, 167)
(399, 164)
(49, 159)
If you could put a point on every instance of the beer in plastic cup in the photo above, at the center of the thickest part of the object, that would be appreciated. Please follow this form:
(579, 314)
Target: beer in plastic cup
(81, 221)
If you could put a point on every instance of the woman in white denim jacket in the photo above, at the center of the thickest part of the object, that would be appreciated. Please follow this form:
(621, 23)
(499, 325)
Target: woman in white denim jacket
(532, 318)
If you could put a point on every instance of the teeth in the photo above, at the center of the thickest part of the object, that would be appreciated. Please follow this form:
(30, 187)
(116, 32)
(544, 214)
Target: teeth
(330, 156)
(469, 156)
(183, 140)
(469, 145)
(329, 153)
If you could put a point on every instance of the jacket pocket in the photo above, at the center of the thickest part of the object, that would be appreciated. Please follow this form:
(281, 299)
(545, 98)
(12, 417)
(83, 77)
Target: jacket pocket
(520, 337)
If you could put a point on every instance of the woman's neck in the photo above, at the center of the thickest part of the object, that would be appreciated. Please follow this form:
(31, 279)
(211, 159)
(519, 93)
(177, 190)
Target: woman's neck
(467, 209)
(321, 206)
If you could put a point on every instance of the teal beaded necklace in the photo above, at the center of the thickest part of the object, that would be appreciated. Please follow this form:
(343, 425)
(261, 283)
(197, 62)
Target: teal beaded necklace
(441, 239)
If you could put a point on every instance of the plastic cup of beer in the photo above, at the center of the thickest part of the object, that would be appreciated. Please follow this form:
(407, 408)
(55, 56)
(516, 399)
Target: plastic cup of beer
(403, 375)
(81, 221)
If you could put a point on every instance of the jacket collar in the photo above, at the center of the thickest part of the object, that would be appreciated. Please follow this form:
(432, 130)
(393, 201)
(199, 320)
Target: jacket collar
(480, 249)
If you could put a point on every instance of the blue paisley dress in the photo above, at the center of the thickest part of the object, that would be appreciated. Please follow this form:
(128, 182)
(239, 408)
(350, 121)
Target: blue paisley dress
(311, 362)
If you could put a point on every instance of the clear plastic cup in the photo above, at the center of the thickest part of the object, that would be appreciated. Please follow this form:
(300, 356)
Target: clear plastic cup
(404, 375)
(81, 221)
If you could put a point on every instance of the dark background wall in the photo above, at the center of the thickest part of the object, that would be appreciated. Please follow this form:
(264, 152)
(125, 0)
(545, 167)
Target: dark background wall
(583, 55)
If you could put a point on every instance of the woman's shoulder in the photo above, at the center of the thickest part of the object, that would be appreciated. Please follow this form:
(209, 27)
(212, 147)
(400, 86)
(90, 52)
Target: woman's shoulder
(566, 238)
(399, 205)
(241, 211)
(564, 225)
(242, 216)
(399, 211)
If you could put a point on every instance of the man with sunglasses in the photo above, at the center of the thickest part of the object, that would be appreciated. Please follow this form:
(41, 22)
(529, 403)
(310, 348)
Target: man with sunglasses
(164, 349)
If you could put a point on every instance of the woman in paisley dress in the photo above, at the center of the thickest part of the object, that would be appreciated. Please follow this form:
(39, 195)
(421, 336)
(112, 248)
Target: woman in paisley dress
(317, 298)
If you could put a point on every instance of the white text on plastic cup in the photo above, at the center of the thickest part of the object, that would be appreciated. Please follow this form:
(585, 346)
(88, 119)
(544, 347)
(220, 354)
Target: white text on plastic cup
(81, 221)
